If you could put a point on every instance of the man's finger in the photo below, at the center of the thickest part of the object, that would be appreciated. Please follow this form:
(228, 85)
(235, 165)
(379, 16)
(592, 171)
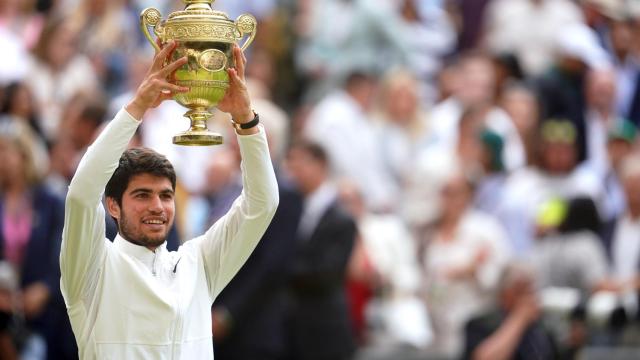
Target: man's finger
(159, 43)
(158, 60)
(167, 86)
(169, 69)
(235, 78)
(240, 61)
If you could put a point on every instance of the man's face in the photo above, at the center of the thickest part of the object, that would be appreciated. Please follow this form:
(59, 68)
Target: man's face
(147, 211)
(306, 172)
(559, 158)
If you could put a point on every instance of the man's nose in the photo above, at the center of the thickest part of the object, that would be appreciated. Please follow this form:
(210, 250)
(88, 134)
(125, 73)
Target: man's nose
(155, 205)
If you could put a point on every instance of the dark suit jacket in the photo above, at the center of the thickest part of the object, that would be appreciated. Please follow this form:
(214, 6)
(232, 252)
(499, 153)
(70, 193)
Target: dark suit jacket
(41, 264)
(634, 111)
(320, 325)
(255, 297)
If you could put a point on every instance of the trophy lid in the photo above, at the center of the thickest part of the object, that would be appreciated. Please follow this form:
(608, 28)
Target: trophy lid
(200, 8)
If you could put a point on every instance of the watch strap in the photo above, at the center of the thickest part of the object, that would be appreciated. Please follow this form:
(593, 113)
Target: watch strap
(248, 124)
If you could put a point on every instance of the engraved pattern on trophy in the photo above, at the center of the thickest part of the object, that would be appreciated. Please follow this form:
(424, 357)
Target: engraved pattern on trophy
(200, 32)
(206, 38)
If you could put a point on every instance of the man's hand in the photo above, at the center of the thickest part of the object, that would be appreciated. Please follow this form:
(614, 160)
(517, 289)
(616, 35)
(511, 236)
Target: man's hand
(236, 100)
(527, 309)
(156, 88)
(220, 323)
(35, 297)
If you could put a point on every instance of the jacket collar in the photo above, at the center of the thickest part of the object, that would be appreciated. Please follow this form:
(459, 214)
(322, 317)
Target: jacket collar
(141, 253)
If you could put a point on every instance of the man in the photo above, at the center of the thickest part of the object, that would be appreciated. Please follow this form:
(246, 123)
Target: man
(340, 124)
(513, 330)
(320, 326)
(132, 299)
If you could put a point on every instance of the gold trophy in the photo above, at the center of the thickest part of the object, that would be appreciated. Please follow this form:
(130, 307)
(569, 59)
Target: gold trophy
(206, 37)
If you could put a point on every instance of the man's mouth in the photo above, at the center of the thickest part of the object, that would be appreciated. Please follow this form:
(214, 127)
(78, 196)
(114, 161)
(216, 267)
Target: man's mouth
(154, 222)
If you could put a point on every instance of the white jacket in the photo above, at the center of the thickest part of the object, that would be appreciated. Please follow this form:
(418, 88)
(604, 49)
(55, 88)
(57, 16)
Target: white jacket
(128, 302)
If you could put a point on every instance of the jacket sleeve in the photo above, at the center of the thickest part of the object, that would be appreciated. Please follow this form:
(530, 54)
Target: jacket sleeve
(229, 242)
(83, 236)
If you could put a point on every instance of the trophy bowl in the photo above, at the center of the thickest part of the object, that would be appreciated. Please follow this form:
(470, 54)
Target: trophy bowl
(206, 37)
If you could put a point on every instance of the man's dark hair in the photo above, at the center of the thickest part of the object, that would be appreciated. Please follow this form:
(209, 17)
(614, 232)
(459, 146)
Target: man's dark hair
(93, 112)
(316, 151)
(357, 78)
(135, 162)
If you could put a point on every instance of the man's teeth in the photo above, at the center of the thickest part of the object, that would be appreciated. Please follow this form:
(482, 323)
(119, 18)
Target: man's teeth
(154, 222)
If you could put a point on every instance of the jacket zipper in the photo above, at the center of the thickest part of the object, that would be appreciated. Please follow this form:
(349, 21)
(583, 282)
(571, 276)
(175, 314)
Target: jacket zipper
(153, 266)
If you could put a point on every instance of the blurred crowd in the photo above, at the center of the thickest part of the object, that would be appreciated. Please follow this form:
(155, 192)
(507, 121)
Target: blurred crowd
(458, 178)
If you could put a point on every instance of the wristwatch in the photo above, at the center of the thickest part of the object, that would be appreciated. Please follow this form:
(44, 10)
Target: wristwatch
(247, 125)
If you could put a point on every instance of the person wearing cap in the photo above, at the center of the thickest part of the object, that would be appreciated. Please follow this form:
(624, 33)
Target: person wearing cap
(554, 174)
(489, 193)
(620, 145)
(561, 88)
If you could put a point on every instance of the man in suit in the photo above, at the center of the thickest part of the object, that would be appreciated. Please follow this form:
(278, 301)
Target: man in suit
(319, 319)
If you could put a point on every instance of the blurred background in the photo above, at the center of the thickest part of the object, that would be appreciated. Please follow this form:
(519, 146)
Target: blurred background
(458, 178)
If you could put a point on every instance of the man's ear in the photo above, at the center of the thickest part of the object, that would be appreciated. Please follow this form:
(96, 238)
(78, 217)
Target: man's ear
(113, 208)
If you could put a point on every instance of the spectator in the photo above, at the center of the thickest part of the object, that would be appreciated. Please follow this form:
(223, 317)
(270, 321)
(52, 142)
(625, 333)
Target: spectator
(384, 279)
(18, 106)
(626, 237)
(401, 124)
(104, 27)
(620, 145)
(489, 192)
(513, 329)
(462, 256)
(626, 66)
(571, 255)
(8, 295)
(340, 124)
(30, 234)
(58, 72)
(528, 29)
(555, 174)
(320, 327)
(600, 116)
(561, 87)
(522, 106)
(476, 88)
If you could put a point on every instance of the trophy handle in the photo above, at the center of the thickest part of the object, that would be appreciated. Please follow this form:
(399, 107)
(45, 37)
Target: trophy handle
(150, 17)
(246, 24)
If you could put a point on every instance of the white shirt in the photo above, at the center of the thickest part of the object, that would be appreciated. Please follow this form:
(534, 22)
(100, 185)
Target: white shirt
(528, 29)
(315, 206)
(127, 302)
(343, 129)
(626, 249)
(452, 302)
(445, 121)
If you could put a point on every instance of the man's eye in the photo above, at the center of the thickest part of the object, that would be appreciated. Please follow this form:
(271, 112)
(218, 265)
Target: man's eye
(166, 197)
(141, 196)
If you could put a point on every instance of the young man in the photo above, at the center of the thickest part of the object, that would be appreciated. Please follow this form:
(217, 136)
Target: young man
(132, 299)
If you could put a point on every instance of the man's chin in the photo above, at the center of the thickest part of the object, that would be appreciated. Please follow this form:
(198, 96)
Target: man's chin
(154, 240)
(147, 241)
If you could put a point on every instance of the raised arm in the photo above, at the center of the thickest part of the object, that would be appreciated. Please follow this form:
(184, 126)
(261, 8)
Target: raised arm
(83, 237)
(229, 242)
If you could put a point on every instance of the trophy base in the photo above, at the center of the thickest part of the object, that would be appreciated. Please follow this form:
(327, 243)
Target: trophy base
(198, 138)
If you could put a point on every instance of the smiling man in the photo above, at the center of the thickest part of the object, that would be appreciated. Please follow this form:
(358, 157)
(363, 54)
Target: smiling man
(133, 299)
